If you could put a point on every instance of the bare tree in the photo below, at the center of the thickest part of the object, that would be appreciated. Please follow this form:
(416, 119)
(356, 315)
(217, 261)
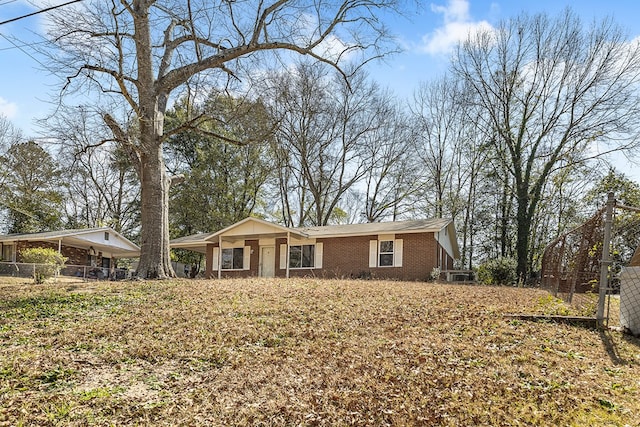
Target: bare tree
(101, 187)
(144, 51)
(439, 119)
(325, 123)
(555, 93)
(392, 172)
(9, 134)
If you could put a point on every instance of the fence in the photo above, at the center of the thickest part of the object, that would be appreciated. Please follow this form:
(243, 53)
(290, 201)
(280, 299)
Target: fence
(82, 272)
(596, 267)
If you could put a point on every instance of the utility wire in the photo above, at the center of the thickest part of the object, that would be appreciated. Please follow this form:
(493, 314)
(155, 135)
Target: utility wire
(39, 11)
(21, 48)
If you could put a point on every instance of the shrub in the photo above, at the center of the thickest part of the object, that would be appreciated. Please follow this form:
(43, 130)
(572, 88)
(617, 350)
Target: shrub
(435, 274)
(500, 271)
(48, 262)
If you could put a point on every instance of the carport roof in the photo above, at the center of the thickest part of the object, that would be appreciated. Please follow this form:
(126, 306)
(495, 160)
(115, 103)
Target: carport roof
(85, 238)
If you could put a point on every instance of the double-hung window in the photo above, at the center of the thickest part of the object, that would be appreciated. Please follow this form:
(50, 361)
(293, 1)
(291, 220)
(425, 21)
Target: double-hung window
(385, 253)
(7, 252)
(302, 256)
(232, 258)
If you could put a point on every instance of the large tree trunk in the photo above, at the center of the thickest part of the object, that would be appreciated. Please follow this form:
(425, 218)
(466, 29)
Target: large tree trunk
(523, 221)
(155, 262)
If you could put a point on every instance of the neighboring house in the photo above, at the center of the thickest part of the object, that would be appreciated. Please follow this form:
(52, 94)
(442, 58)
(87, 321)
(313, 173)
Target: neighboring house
(96, 247)
(404, 250)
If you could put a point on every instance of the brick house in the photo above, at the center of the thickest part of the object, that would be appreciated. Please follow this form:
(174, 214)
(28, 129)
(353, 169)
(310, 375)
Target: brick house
(404, 250)
(95, 247)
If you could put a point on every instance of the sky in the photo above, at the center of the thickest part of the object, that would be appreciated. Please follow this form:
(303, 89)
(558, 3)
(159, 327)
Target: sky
(427, 38)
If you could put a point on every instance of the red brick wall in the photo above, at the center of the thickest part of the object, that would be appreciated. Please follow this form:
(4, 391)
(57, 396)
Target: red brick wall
(348, 257)
(76, 256)
(253, 263)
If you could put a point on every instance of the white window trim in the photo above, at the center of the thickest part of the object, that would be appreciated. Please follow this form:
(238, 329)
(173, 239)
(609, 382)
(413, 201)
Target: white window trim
(301, 245)
(317, 256)
(246, 258)
(374, 253)
(392, 253)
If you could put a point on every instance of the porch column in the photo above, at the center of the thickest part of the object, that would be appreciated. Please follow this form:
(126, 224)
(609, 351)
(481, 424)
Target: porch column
(60, 246)
(219, 257)
(288, 237)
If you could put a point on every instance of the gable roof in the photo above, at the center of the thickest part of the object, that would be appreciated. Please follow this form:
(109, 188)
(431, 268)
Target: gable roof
(255, 227)
(118, 246)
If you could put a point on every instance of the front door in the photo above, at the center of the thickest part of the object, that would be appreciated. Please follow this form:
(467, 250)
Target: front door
(267, 261)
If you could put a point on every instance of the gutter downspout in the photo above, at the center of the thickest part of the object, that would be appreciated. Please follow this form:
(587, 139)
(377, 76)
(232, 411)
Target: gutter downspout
(438, 254)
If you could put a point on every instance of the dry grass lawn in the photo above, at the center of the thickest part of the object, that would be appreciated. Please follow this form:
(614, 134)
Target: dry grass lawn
(304, 352)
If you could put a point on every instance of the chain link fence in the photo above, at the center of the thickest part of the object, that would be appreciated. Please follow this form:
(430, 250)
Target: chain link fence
(571, 265)
(596, 267)
(81, 272)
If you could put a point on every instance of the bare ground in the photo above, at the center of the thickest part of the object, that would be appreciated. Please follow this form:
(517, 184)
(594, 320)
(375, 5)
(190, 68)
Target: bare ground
(305, 352)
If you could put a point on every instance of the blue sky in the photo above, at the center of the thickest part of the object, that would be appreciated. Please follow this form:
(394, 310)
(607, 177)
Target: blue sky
(427, 39)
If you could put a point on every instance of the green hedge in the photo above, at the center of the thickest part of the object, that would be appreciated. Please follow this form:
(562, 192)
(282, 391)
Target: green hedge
(48, 262)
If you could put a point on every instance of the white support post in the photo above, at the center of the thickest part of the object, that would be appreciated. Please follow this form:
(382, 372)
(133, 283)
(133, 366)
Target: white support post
(288, 238)
(219, 257)
(606, 259)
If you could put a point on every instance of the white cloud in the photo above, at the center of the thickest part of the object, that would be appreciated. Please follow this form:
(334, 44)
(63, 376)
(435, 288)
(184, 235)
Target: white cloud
(8, 109)
(456, 27)
(335, 49)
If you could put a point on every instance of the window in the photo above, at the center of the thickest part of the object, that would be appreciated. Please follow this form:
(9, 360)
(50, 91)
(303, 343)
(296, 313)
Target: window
(232, 258)
(386, 253)
(302, 256)
(7, 253)
(106, 235)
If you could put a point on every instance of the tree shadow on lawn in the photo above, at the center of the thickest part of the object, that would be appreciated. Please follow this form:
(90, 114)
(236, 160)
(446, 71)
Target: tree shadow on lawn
(613, 349)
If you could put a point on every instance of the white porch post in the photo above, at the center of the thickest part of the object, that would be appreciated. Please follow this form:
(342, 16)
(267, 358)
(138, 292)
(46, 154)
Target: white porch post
(219, 257)
(60, 246)
(288, 237)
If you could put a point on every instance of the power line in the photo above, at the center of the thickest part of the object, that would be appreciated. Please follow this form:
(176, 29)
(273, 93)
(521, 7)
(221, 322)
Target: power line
(39, 11)
(21, 48)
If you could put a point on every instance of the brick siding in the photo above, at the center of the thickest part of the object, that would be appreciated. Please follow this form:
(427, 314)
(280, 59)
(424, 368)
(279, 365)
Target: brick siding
(348, 257)
(75, 256)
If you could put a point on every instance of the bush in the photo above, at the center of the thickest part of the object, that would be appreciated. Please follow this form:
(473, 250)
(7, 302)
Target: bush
(501, 271)
(48, 262)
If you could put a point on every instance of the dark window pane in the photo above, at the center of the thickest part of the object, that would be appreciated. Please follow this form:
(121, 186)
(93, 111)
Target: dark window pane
(386, 260)
(386, 246)
(227, 259)
(295, 256)
(308, 252)
(238, 258)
